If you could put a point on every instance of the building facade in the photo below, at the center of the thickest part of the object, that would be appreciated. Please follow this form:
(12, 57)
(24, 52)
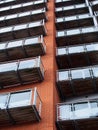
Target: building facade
(48, 64)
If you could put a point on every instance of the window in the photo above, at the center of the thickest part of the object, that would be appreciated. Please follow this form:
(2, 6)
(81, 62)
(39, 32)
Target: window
(63, 75)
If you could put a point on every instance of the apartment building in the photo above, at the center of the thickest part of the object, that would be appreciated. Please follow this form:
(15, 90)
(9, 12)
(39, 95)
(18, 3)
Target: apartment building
(76, 55)
(48, 64)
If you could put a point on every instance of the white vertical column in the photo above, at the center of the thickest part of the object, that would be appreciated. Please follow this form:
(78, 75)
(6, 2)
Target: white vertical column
(91, 13)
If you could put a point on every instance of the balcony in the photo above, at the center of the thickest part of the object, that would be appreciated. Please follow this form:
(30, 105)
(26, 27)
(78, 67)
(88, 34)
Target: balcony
(79, 115)
(94, 5)
(23, 48)
(64, 12)
(22, 31)
(77, 82)
(5, 3)
(77, 36)
(77, 56)
(21, 72)
(71, 24)
(20, 107)
(59, 3)
(24, 17)
(22, 7)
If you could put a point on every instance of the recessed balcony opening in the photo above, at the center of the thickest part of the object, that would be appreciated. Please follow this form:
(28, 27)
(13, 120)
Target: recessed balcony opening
(23, 30)
(22, 7)
(23, 48)
(23, 17)
(77, 56)
(21, 72)
(82, 115)
(77, 82)
(59, 3)
(20, 107)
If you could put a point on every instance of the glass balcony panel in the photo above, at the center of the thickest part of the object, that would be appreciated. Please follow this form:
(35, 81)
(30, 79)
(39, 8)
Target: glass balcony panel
(86, 30)
(27, 4)
(2, 18)
(73, 32)
(27, 64)
(62, 51)
(71, 18)
(14, 44)
(81, 110)
(76, 49)
(16, 6)
(37, 11)
(3, 101)
(7, 29)
(59, 19)
(84, 16)
(80, 74)
(5, 8)
(60, 33)
(63, 76)
(18, 27)
(80, 5)
(94, 2)
(2, 46)
(31, 41)
(69, 7)
(94, 108)
(34, 24)
(92, 47)
(11, 16)
(24, 14)
(38, 2)
(20, 99)
(95, 71)
(65, 113)
(8, 67)
(59, 9)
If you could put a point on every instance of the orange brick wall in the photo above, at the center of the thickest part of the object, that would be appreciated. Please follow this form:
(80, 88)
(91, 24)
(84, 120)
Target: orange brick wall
(46, 89)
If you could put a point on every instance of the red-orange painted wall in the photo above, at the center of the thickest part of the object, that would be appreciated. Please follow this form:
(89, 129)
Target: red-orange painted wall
(46, 89)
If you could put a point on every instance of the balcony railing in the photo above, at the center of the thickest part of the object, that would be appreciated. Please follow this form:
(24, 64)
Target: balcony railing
(23, 17)
(22, 7)
(23, 30)
(59, 3)
(4, 3)
(19, 49)
(82, 115)
(77, 82)
(75, 24)
(77, 36)
(21, 72)
(77, 56)
(20, 107)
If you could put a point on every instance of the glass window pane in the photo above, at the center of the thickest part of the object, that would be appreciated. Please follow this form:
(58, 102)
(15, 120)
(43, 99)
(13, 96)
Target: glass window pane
(2, 46)
(20, 99)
